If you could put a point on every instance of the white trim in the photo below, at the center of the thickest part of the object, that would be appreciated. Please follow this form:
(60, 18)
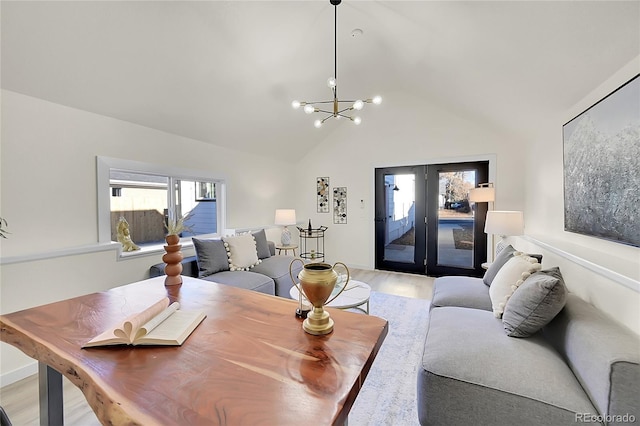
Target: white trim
(70, 251)
(19, 373)
(600, 270)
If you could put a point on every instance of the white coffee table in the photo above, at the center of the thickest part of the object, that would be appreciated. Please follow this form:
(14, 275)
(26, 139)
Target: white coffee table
(356, 295)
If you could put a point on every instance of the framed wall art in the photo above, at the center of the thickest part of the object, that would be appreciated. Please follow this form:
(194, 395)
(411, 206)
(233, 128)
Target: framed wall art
(340, 204)
(323, 194)
(602, 168)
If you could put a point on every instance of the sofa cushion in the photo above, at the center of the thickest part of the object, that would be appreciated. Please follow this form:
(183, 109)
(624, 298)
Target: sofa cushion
(500, 260)
(241, 251)
(211, 256)
(244, 279)
(461, 291)
(535, 303)
(262, 246)
(471, 369)
(277, 268)
(604, 356)
(509, 277)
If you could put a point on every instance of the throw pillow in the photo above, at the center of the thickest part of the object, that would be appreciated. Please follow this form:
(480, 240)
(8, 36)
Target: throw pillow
(509, 278)
(535, 303)
(262, 247)
(211, 256)
(498, 263)
(242, 252)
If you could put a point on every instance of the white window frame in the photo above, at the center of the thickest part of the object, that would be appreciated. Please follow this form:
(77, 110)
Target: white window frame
(103, 168)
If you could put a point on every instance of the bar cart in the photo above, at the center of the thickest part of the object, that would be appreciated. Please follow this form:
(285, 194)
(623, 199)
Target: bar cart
(312, 243)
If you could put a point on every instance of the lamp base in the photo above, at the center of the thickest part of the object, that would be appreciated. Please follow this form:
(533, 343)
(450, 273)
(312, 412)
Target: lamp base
(318, 322)
(502, 244)
(285, 238)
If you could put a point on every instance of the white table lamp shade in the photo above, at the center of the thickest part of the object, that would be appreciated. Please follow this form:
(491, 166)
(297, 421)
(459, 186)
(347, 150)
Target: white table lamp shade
(504, 223)
(285, 217)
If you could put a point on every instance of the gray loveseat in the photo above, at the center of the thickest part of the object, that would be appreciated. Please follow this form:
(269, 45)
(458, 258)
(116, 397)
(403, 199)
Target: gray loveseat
(270, 276)
(582, 367)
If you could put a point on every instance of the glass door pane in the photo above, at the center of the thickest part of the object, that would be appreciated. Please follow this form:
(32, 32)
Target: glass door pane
(400, 208)
(456, 219)
(400, 222)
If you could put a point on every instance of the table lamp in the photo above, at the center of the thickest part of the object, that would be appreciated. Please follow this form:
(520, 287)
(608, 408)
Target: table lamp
(504, 223)
(285, 217)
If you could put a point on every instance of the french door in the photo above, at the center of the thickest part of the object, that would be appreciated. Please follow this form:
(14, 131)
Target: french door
(400, 226)
(424, 221)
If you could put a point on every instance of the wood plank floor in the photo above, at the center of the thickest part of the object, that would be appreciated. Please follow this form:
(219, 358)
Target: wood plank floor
(20, 399)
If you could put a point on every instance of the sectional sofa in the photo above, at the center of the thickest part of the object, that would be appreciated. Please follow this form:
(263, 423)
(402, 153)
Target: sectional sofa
(246, 261)
(539, 355)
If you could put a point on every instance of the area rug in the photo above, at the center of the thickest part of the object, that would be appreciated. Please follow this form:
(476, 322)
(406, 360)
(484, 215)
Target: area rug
(388, 396)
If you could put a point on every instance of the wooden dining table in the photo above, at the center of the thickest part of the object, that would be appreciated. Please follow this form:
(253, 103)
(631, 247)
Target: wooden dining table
(248, 363)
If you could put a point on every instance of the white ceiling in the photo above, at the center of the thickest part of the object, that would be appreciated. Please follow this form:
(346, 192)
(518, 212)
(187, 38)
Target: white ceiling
(225, 72)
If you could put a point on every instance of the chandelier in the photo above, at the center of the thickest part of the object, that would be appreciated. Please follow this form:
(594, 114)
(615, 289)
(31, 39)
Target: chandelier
(340, 109)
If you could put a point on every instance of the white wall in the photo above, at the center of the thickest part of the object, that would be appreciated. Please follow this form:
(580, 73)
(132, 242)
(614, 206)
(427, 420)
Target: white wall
(544, 217)
(403, 130)
(48, 192)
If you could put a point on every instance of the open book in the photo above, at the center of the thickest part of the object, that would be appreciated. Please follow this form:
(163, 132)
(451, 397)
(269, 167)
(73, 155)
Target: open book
(160, 324)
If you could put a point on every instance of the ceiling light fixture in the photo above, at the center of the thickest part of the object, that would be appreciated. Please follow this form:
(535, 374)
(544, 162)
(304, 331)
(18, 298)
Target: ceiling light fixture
(338, 110)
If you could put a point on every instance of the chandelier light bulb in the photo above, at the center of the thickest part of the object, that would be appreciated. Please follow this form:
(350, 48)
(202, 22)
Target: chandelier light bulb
(357, 120)
(332, 82)
(358, 105)
(317, 123)
(309, 108)
(295, 104)
(377, 100)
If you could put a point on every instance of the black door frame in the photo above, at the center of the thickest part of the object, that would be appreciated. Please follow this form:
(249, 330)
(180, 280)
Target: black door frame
(480, 238)
(426, 219)
(381, 220)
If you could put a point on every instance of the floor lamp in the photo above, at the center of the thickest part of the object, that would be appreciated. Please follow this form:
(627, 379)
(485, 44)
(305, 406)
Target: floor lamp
(484, 193)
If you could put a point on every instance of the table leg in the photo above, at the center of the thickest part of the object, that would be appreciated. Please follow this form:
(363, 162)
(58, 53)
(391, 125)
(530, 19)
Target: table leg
(51, 407)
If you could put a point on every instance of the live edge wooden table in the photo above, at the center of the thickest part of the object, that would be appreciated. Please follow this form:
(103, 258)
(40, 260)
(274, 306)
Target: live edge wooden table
(248, 363)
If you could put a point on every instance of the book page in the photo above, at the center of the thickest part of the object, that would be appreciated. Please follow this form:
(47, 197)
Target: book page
(135, 321)
(155, 321)
(174, 330)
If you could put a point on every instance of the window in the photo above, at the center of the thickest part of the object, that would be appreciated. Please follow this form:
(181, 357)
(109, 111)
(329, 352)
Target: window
(146, 195)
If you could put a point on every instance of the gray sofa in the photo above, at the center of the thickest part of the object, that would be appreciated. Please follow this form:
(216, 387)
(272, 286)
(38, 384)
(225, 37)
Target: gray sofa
(581, 367)
(270, 276)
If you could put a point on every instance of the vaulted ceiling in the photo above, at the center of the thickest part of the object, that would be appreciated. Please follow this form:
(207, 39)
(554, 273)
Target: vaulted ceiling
(225, 72)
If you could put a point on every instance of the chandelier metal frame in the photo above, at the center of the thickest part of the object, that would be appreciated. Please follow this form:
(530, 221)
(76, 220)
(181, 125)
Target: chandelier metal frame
(338, 111)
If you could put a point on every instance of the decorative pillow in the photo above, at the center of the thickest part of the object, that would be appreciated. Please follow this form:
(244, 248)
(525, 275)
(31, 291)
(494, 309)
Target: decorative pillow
(211, 256)
(242, 252)
(509, 278)
(262, 247)
(535, 303)
(500, 260)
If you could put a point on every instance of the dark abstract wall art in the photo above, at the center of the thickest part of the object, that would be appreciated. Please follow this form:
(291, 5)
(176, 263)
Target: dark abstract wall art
(323, 194)
(602, 168)
(340, 205)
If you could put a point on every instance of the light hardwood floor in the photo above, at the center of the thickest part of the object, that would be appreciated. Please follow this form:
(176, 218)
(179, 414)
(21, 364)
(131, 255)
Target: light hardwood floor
(20, 399)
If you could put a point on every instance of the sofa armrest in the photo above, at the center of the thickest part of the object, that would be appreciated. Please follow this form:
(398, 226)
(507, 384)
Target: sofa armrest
(272, 247)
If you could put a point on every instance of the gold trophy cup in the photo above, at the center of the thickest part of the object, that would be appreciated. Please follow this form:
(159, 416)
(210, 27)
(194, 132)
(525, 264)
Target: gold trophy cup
(317, 281)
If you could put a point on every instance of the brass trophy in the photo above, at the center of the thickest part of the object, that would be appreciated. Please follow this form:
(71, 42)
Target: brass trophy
(317, 281)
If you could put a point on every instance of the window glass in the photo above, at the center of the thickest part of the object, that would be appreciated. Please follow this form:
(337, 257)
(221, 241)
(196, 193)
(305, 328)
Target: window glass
(146, 200)
(196, 201)
(142, 200)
